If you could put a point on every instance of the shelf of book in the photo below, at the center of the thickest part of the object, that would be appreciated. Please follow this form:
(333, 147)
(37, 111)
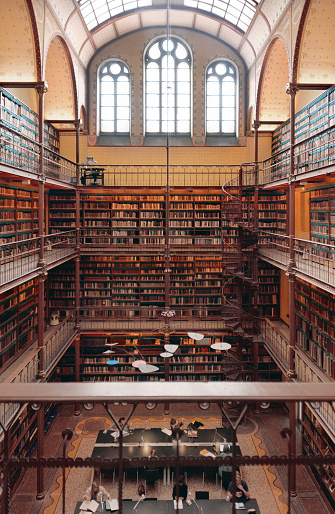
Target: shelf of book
(315, 322)
(18, 320)
(311, 120)
(18, 213)
(317, 441)
(62, 210)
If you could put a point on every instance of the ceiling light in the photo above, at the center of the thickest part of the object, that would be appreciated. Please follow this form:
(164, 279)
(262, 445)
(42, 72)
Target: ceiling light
(264, 405)
(88, 406)
(138, 363)
(36, 406)
(166, 354)
(108, 351)
(195, 336)
(147, 368)
(151, 405)
(221, 346)
(204, 405)
(171, 348)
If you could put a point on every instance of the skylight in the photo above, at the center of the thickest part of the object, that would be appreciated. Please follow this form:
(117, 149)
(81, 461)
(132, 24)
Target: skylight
(98, 11)
(237, 12)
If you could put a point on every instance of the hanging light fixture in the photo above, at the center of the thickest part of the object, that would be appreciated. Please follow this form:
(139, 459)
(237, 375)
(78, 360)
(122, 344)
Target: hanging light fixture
(221, 346)
(138, 363)
(171, 348)
(165, 355)
(112, 362)
(195, 336)
(147, 368)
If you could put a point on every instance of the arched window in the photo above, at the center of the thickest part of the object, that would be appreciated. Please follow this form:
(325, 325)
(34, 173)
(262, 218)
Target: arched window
(114, 98)
(168, 87)
(221, 92)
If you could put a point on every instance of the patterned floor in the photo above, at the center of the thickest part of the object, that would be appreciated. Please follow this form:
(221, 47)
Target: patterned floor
(257, 435)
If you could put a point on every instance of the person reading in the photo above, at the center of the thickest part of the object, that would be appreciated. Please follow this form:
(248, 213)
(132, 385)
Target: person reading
(96, 492)
(242, 491)
(182, 490)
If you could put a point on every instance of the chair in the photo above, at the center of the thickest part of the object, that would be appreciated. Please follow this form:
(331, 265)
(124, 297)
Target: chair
(151, 476)
(202, 495)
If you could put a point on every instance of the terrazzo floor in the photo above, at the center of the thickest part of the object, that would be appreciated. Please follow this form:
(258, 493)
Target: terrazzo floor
(258, 434)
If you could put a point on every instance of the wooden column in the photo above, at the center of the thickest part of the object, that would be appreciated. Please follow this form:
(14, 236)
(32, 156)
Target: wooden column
(77, 269)
(40, 444)
(255, 349)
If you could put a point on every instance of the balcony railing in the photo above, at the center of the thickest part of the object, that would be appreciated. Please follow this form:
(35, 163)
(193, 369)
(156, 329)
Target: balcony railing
(55, 344)
(20, 258)
(313, 260)
(19, 151)
(306, 370)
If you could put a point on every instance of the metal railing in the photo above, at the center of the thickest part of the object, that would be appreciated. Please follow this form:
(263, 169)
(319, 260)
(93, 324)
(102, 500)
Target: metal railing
(148, 175)
(55, 345)
(20, 258)
(21, 152)
(312, 259)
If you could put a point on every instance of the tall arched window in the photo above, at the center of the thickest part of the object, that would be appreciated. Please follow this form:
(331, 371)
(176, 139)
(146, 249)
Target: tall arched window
(168, 87)
(221, 92)
(114, 98)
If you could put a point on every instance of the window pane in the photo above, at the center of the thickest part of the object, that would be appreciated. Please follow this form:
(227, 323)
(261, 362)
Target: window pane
(228, 126)
(213, 127)
(183, 75)
(212, 101)
(213, 113)
(220, 69)
(181, 52)
(107, 100)
(153, 100)
(183, 100)
(168, 114)
(153, 87)
(153, 73)
(183, 127)
(228, 113)
(168, 101)
(154, 51)
(152, 113)
(168, 126)
(183, 114)
(115, 68)
(152, 126)
(122, 126)
(213, 87)
(107, 126)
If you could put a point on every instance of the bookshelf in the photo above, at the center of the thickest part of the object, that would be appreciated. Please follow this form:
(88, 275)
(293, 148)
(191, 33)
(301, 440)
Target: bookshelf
(317, 441)
(315, 322)
(322, 214)
(311, 120)
(268, 290)
(62, 210)
(18, 320)
(61, 286)
(18, 213)
(22, 120)
(272, 211)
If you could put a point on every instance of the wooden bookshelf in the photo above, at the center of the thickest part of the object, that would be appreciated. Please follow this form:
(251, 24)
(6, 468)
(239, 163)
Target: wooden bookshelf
(317, 441)
(18, 320)
(268, 290)
(18, 213)
(62, 211)
(315, 322)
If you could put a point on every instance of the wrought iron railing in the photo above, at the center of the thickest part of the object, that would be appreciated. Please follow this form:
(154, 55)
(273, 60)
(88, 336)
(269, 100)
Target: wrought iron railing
(20, 258)
(21, 152)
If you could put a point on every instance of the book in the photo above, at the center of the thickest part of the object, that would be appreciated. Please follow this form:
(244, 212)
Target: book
(112, 504)
(180, 504)
(167, 431)
(89, 505)
(239, 506)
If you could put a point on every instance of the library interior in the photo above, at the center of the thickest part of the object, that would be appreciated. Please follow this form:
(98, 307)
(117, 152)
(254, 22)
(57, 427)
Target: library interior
(167, 256)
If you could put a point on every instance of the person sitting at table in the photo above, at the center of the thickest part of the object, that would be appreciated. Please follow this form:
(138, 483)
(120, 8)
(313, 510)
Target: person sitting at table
(225, 470)
(182, 489)
(242, 491)
(97, 492)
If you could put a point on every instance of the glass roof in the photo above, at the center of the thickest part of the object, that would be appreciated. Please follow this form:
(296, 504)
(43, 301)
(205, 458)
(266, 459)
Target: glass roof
(237, 12)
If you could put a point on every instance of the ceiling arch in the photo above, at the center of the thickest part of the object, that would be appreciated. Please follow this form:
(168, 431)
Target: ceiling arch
(273, 104)
(19, 56)
(60, 102)
(316, 61)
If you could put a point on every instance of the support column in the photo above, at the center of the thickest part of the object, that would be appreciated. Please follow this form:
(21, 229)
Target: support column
(40, 444)
(292, 89)
(77, 370)
(77, 269)
(42, 275)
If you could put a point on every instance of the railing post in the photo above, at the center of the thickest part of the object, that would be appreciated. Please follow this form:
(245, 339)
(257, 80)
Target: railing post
(77, 369)
(42, 274)
(40, 443)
